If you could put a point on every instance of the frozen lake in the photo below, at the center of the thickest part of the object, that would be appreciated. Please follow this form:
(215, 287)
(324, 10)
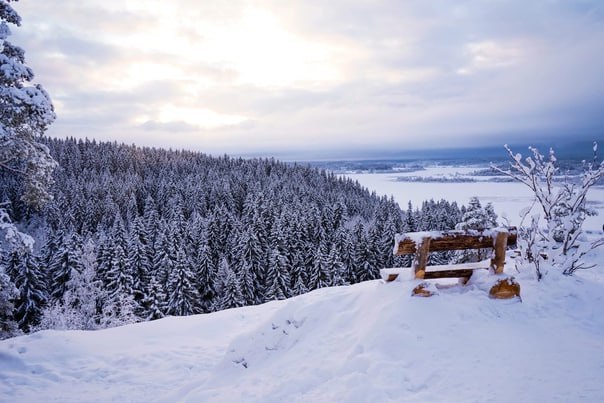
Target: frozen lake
(508, 198)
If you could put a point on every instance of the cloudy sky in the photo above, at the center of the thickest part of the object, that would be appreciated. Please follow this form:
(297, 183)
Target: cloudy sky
(307, 76)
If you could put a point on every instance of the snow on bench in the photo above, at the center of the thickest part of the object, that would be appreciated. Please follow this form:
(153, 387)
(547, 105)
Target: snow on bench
(456, 270)
(422, 243)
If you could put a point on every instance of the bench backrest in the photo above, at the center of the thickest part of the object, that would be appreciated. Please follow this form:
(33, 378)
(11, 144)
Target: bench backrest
(422, 243)
(407, 244)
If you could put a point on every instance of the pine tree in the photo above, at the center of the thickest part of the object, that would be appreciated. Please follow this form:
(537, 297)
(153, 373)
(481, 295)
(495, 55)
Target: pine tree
(230, 291)
(320, 274)
(336, 267)
(119, 307)
(386, 242)
(477, 217)
(49, 249)
(65, 261)
(300, 283)
(119, 278)
(155, 301)
(139, 259)
(103, 258)
(206, 277)
(8, 293)
(248, 256)
(150, 219)
(25, 113)
(164, 257)
(277, 276)
(131, 208)
(32, 288)
(183, 298)
(358, 257)
(374, 253)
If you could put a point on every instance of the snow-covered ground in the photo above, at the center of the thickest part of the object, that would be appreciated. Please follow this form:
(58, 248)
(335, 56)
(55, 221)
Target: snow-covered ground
(508, 198)
(370, 342)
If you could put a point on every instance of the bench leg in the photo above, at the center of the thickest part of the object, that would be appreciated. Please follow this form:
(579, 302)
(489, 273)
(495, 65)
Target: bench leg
(464, 280)
(501, 243)
(420, 261)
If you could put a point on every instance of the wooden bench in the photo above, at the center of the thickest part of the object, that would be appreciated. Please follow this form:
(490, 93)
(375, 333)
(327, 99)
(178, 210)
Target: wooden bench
(420, 244)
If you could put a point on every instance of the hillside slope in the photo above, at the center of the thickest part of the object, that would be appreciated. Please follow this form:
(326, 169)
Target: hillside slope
(370, 342)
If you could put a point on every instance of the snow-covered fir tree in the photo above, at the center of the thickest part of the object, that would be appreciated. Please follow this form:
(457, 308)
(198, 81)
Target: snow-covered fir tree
(8, 293)
(139, 259)
(229, 292)
(205, 275)
(182, 295)
(63, 263)
(23, 268)
(25, 113)
(475, 217)
(478, 217)
(155, 301)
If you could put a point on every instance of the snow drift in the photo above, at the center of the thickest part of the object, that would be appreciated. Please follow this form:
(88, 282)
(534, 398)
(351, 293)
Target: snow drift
(370, 342)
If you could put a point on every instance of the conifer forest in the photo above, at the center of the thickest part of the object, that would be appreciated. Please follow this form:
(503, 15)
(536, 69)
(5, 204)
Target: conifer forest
(134, 234)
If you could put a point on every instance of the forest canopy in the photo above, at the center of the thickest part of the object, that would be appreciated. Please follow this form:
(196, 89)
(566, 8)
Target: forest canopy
(144, 233)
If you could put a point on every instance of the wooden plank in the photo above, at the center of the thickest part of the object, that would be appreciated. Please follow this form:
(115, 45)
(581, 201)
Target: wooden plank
(464, 273)
(455, 240)
(391, 273)
(392, 277)
(421, 258)
(483, 264)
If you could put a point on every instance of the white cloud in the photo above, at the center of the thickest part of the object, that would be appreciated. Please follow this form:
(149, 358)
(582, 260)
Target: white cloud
(487, 55)
(241, 75)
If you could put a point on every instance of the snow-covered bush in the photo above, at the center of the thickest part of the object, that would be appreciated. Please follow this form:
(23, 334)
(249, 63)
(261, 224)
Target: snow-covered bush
(561, 240)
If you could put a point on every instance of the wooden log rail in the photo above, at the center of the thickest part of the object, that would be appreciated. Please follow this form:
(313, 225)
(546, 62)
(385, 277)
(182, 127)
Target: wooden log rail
(422, 243)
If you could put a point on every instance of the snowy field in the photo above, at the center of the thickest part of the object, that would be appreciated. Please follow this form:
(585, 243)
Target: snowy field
(369, 342)
(508, 198)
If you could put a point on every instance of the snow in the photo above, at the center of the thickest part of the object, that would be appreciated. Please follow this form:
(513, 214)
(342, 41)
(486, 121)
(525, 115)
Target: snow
(370, 342)
(142, 361)
(509, 199)
(416, 237)
(12, 235)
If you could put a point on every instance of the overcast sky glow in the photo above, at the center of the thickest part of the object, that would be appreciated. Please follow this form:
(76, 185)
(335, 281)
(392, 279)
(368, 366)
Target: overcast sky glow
(266, 76)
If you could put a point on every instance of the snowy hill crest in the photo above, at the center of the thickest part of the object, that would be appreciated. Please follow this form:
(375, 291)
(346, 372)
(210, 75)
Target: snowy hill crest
(370, 342)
